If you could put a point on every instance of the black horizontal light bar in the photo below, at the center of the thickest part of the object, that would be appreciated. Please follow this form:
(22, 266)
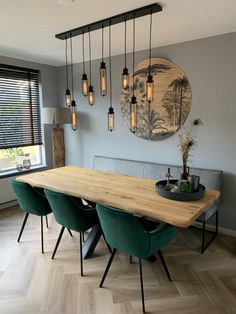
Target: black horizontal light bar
(152, 8)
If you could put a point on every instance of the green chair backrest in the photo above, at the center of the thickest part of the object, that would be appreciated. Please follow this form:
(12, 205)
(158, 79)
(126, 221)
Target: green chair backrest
(123, 231)
(29, 199)
(67, 212)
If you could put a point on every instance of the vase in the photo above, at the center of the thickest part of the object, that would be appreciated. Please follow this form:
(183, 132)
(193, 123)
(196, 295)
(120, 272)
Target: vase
(185, 173)
(27, 163)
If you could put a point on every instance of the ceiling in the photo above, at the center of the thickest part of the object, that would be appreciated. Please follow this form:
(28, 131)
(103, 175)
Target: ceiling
(28, 27)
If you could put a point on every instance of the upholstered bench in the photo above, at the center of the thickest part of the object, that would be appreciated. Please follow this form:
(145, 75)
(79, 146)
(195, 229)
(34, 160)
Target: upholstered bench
(212, 179)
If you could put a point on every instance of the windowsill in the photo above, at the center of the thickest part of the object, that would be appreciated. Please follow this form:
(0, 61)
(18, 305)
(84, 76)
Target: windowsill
(15, 172)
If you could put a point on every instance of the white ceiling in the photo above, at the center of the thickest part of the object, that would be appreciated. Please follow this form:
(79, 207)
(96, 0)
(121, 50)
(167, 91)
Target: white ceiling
(28, 27)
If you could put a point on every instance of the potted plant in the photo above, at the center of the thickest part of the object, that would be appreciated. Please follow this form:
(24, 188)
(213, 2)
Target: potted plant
(186, 143)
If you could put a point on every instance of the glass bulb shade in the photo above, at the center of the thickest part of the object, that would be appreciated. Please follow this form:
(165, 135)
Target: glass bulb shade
(68, 98)
(103, 79)
(150, 88)
(73, 115)
(125, 79)
(133, 114)
(84, 85)
(111, 119)
(91, 98)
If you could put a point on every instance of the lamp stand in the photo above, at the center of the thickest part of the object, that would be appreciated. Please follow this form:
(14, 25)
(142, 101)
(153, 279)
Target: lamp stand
(58, 147)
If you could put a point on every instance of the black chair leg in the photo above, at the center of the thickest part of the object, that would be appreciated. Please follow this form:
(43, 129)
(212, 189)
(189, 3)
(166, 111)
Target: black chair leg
(46, 217)
(58, 241)
(108, 246)
(70, 232)
(164, 265)
(141, 283)
(205, 246)
(203, 235)
(107, 267)
(130, 259)
(83, 236)
(42, 234)
(81, 255)
(23, 226)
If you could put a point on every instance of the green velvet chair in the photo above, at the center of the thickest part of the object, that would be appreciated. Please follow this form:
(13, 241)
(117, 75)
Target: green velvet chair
(125, 232)
(32, 201)
(70, 214)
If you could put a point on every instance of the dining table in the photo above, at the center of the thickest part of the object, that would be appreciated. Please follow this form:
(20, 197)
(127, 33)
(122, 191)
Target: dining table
(129, 193)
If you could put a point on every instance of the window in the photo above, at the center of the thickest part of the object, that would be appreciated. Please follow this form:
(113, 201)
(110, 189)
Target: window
(20, 119)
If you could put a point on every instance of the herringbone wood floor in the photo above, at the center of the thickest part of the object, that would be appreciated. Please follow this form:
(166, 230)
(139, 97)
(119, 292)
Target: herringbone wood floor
(33, 283)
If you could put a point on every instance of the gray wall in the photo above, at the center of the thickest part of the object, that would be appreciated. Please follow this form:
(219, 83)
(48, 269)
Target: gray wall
(49, 94)
(210, 65)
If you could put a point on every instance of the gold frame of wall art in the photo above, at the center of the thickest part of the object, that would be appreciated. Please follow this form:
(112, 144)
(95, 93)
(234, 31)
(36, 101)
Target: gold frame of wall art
(172, 99)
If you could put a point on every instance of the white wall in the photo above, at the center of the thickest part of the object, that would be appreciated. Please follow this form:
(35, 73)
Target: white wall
(210, 65)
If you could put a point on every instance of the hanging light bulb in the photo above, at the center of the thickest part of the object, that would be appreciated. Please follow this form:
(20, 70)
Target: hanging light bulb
(111, 113)
(91, 98)
(150, 82)
(84, 85)
(73, 115)
(111, 119)
(150, 88)
(133, 114)
(84, 75)
(91, 95)
(125, 74)
(103, 71)
(73, 102)
(133, 103)
(68, 98)
(67, 93)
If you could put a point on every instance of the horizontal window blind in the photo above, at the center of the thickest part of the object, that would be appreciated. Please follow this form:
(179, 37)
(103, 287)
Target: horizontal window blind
(20, 119)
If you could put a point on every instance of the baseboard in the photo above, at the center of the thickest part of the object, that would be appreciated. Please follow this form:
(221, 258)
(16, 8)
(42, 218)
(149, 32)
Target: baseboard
(8, 204)
(225, 231)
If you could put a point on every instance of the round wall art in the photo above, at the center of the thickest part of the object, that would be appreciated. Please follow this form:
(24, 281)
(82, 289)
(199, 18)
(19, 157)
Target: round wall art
(171, 104)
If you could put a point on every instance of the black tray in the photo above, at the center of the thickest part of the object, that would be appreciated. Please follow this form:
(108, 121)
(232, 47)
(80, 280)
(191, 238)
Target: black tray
(179, 196)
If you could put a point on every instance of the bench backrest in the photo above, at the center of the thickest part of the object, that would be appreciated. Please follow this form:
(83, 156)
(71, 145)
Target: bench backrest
(212, 179)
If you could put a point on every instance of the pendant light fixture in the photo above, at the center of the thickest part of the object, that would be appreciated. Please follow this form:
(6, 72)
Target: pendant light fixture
(103, 71)
(133, 103)
(150, 82)
(67, 93)
(91, 99)
(84, 75)
(111, 114)
(125, 74)
(73, 102)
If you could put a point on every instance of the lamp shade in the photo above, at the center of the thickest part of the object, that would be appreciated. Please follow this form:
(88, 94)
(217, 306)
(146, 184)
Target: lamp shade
(57, 115)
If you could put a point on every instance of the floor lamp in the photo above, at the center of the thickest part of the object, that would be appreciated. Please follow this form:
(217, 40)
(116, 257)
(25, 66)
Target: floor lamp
(57, 116)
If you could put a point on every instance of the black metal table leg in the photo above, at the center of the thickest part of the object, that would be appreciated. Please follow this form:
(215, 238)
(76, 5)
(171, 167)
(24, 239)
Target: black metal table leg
(91, 241)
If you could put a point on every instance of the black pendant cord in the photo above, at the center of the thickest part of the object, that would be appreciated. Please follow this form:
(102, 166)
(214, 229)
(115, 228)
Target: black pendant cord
(133, 50)
(102, 42)
(67, 82)
(125, 42)
(83, 52)
(72, 72)
(89, 60)
(150, 45)
(110, 65)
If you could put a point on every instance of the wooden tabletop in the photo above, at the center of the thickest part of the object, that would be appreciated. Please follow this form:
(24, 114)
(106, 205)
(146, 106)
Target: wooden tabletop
(132, 194)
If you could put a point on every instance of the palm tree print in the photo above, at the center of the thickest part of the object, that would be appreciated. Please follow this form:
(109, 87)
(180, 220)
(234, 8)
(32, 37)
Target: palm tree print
(180, 86)
(170, 101)
(171, 105)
